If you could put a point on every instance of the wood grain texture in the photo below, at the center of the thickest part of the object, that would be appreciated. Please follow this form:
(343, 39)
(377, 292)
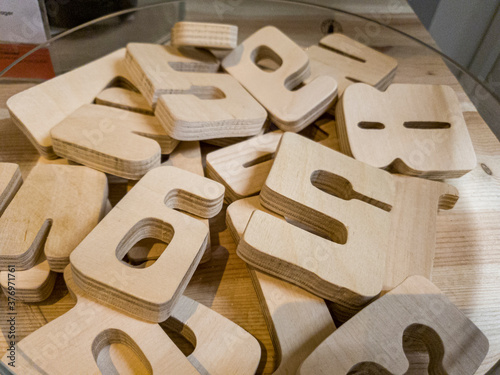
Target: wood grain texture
(466, 263)
(371, 341)
(348, 61)
(289, 110)
(147, 211)
(55, 99)
(32, 285)
(71, 343)
(204, 35)
(38, 218)
(297, 320)
(120, 97)
(243, 168)
(186, 156)
(432, 137)
(112, 140)
(362, 218)
(154, 68)
(10, 182)
(214, 106)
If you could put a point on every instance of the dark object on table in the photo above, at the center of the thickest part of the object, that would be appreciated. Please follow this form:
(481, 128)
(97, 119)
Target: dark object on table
(71, 13)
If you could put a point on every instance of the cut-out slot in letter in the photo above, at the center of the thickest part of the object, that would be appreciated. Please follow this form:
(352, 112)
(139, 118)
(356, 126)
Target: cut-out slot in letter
(416, 130)
(155, 68)
(289, 110)
(243, 168)
(148, 211)
(372, 340)
(74, 343)
(349, 61)
(226, 110)
(123, 98)
(193, 105)
(379, 228)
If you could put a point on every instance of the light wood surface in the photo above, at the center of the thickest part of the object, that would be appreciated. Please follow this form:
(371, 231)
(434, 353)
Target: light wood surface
(349, 61)
(112, 140)
(155, 68)
(147, 211)
(214, 106)
(357, 210)
(186, 156)
(289, 110)
(467, 257)
(89, 330)
(36, 283)
(371, 342)
(71, 343)
(432, 137)
(204, 35)
(220, 346)
(297, 320)
(38, 218)
(57, 98)
(123, 98)
(10, 182)
(243, 167)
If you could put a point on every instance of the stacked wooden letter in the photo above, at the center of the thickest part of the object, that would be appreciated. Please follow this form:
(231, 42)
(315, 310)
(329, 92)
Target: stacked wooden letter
(334, 216)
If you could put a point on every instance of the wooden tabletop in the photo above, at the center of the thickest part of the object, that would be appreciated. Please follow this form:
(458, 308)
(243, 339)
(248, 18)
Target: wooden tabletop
(467, 263)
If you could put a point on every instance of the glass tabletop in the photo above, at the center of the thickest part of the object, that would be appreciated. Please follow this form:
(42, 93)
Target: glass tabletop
(304, 23)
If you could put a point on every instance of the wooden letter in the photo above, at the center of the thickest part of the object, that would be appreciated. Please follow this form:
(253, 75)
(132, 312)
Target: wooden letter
(147, 212)
(112, 140)
(243, 168)
(37, 110)
(417, 130)
(377, 228)
(204, 35)
(289, 110)
(57, 206)
(349, 61)
(297, 320)
(371, 342)
(154, 68)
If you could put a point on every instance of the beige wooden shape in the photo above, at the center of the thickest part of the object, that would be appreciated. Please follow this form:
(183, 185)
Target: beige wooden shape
(37, 110)
(35, 284)
(10, 182)
(417, 130)
(243, 168)
(32, 285)
(112, 140)
(297, 320)
(57, 206)
(154, 67)
(205, 35)
(214, 106)
(349, 61)
(186, 156)
(289, 110)
(371, 342)
(125, 99)
(412, 240)
(221, 346)
(71, 343)
(147, 212)
(377, 228)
